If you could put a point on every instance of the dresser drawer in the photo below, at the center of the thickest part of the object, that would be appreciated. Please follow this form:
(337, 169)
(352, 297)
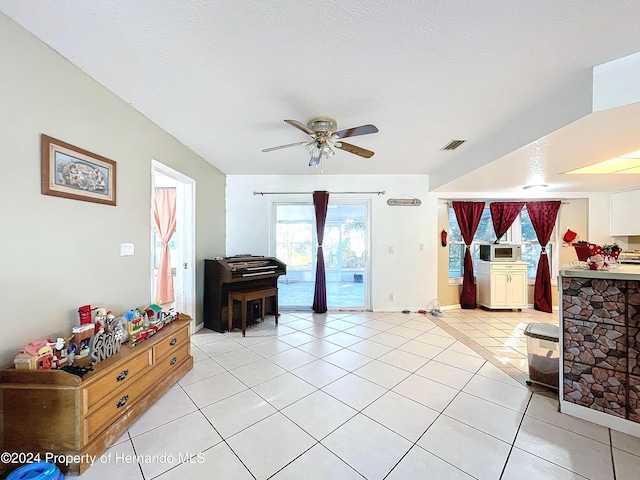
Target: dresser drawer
(171, 342)
(164, 366)
(119, 403)
(96, 393)
(116, 405)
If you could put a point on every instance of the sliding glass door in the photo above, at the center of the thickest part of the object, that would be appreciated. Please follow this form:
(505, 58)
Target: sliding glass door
(346, 246)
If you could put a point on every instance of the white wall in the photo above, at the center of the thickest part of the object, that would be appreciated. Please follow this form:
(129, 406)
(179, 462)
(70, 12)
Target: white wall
(409, 272)
(57, 254)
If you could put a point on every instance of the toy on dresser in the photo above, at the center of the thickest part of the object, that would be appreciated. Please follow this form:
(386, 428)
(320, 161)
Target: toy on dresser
(96, 338)
(153, 320)
(37, 355)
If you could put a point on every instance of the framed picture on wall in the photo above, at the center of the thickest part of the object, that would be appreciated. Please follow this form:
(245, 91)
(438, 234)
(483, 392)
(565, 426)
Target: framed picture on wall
(72, 172)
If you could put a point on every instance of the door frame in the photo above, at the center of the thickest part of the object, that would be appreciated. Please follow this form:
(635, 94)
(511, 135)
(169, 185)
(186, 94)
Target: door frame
(335, 200)
(185, 211)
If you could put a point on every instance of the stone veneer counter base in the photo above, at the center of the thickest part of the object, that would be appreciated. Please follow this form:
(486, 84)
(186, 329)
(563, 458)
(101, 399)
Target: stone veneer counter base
(600, 346)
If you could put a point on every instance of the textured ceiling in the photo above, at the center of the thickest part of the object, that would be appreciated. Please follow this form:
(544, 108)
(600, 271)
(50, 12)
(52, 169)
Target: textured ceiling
(221, 76)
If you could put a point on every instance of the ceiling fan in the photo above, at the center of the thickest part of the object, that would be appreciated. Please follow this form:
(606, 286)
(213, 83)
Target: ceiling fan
(324, 138)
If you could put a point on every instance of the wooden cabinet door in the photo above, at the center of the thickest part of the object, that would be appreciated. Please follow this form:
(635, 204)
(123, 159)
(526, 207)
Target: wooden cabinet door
(624, 218)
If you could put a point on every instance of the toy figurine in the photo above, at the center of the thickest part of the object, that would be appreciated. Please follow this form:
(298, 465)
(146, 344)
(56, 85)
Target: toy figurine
(85, 314)
(82, 336)
(153, 312)
(59, 352)
(37, 355)
(73, 351)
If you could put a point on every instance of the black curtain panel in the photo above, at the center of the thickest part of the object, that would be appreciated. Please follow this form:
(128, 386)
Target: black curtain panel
(320, 202)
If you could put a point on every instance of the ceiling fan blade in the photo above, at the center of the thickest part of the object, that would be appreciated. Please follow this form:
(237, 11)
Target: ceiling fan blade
(300, 126)
(355, 131)
(347, 147)
(271, 149)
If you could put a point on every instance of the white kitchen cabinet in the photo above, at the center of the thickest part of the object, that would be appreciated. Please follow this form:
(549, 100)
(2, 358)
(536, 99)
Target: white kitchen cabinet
(502, 284)
(625, 220)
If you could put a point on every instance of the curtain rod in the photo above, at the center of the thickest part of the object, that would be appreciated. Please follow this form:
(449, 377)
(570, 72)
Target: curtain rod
(498, 201)
(311, 193)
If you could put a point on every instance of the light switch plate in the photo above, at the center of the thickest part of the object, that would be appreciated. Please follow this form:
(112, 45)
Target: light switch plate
(127, 249)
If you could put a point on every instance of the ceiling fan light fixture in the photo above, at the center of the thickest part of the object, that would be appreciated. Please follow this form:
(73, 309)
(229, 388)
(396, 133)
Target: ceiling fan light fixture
(322, 124)
(314, 148)
(327, 151)
(325, 139)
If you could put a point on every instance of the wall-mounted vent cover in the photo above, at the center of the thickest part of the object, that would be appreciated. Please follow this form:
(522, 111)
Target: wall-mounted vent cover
(453, 144)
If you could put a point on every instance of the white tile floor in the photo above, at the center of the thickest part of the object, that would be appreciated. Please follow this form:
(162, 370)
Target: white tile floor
(366, 395)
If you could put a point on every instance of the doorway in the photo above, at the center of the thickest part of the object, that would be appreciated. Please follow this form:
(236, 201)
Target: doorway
(345, 247)
(182, 243)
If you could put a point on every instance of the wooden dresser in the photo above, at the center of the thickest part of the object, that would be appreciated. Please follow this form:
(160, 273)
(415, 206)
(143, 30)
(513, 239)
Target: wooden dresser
(64, 414)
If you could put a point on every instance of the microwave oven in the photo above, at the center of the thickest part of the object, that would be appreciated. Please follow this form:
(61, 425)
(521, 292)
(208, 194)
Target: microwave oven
(501, 252)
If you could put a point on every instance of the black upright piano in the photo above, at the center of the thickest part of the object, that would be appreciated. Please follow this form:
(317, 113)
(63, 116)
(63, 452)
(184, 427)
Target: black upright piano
(236, 273)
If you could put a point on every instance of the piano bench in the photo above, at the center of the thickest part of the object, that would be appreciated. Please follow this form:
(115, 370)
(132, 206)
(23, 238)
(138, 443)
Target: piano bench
(245, 296)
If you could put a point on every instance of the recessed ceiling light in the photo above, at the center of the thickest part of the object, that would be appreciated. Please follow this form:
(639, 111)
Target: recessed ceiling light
(535, 189)
(625, 164)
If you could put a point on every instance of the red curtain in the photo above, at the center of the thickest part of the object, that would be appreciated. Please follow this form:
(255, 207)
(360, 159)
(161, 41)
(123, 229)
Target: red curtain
(543, 218)
(164, 215)
(468, 215)
(502, 216)
(320, 202)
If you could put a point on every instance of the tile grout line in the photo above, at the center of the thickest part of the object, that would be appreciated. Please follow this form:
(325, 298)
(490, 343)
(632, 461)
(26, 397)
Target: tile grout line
(613, 462)
(513, 444)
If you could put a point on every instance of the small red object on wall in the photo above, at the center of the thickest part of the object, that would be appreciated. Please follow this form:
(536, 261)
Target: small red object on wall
(569, 236)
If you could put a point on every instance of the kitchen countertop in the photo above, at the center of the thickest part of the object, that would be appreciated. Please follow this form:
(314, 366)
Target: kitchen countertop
(622, 272)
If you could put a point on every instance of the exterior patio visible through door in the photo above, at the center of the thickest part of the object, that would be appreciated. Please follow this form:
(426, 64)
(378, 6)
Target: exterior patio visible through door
(345, 247)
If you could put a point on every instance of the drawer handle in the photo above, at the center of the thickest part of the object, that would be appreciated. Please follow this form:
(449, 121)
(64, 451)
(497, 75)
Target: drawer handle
(123, 401)
(122, 375)
(173, 341)
(173, 361)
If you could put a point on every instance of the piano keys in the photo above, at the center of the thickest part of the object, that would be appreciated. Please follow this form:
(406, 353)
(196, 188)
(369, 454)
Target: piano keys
(241, 272)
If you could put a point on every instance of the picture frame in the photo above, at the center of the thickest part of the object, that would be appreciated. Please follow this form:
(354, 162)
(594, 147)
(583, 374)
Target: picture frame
(72, 172)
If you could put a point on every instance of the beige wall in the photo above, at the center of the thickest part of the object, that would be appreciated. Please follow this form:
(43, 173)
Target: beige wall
(573, 214)
(57, 254)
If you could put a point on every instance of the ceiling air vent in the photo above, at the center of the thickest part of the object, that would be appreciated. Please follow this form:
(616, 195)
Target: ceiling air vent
(453, 144)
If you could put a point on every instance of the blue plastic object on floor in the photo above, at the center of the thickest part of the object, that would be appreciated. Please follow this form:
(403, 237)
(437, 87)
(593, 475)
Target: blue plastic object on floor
(37, 471)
